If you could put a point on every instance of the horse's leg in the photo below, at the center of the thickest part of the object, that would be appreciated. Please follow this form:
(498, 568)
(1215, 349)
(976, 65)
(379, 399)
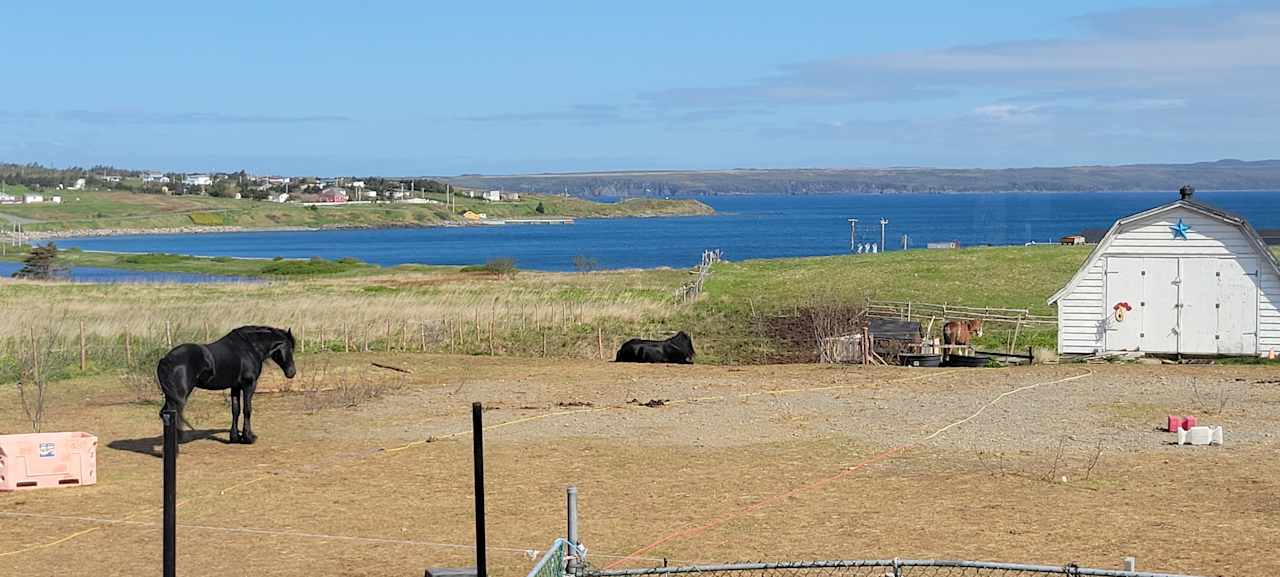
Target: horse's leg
(246, 434)
(235, 414)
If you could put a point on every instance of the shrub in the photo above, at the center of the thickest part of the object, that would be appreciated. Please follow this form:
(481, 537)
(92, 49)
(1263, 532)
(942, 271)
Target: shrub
(208, 218)
(504, 266)
(315, 266)
(151, 258)
(583, 263)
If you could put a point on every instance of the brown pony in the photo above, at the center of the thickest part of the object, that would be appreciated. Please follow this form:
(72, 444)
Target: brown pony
(961, 332)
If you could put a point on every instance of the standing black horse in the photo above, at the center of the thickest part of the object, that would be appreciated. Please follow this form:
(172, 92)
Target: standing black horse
(231, 362)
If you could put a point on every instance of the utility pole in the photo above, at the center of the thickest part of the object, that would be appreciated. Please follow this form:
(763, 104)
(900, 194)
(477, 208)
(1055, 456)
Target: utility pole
(904, 242)
(853, 234)
(883, 222)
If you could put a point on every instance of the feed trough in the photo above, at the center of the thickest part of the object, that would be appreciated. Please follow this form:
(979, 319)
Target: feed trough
(966, 361)
(919, 360)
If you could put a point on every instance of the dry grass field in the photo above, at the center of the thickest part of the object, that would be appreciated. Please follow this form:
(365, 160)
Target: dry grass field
(363, 471)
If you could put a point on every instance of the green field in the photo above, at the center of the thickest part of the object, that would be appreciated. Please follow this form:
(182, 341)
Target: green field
(129, 211)
(346, 305)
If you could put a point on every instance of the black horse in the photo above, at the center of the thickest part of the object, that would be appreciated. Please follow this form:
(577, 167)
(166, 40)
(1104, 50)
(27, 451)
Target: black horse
(677, 349)
(231, 362)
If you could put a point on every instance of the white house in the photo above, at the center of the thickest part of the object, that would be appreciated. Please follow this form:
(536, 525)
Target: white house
(32, 198)
(1183, 278)
(7, 198)
(55, 199)
(155, 177)
(492, 196)
(197, 180)
(79, 185)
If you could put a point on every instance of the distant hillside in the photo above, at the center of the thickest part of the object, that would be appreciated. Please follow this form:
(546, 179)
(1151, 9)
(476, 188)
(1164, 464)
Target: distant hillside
(1220, 175)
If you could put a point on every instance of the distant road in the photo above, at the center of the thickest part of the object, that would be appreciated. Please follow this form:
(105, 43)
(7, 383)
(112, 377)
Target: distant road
(11, 219)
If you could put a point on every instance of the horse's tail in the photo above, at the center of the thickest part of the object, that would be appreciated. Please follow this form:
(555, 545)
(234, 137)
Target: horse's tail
(170, 374)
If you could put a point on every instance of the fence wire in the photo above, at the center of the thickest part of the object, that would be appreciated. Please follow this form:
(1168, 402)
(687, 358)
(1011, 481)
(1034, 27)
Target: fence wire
(871, 568)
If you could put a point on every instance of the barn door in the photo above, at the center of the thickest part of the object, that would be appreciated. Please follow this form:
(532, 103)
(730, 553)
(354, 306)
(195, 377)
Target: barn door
(1124, 285)
(1238, 283)
(1199, 306)
(1159, 305)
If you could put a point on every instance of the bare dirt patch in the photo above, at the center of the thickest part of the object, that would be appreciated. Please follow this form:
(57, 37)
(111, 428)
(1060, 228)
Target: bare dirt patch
(383, 488)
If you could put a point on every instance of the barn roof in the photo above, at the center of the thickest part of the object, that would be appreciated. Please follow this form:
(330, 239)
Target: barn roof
(1200, 207)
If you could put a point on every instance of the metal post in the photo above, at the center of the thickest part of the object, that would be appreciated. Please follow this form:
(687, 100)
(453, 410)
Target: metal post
(170, 419)
(853, 235)
(573, 528)
(1130, 564)
(883, 221)
(477, 436)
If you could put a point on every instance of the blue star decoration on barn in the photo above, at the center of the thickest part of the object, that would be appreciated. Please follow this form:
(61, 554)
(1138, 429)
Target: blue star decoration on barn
(1180, 230)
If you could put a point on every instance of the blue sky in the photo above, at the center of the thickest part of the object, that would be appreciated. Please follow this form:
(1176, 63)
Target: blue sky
(414, 88)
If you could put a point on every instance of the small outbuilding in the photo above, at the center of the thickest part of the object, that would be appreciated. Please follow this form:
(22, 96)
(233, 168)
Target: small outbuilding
(1184, 278)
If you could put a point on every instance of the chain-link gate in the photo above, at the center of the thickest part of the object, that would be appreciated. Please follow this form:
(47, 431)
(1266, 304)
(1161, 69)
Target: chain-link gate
(555, 564)
(874, 568)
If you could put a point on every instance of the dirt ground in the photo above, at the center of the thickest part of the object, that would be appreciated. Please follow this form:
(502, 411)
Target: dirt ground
(736, 463)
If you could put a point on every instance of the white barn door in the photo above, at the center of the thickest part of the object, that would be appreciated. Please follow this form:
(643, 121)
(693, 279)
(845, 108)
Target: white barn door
(1198, 325)
(1124, 285)
(1238, 284)
(1159, 305)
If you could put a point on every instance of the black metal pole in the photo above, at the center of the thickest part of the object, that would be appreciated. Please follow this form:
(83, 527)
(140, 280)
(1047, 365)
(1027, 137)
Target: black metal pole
(170, 418)
(477, 432)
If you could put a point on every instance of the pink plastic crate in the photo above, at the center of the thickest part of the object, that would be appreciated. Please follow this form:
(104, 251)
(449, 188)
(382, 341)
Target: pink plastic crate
(41, 460)
(1188, 422)
(1175, 423)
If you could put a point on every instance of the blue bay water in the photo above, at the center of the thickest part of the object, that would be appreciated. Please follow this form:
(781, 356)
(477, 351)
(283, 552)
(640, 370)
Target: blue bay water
(117, 275)
(746, 227)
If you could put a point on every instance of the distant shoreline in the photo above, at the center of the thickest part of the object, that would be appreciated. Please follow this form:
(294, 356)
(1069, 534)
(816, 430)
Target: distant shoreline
(221, 229)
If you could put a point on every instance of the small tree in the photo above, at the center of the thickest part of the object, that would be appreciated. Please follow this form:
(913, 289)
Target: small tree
(41, 264)
(540, 209)
(585, 263)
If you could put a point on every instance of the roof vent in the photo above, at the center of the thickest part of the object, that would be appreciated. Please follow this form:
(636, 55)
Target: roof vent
(1186, 191)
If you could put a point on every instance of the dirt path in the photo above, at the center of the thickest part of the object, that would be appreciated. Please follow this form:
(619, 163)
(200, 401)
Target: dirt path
(725, 464)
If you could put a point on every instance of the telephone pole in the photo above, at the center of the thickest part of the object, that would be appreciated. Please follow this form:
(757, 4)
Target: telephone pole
(853, 234)
(883, 222)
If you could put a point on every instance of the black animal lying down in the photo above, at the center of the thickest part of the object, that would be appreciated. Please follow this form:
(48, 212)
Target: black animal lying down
(677, 349)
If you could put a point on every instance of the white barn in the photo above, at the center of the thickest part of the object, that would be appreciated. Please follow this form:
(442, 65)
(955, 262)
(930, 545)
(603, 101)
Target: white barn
(1184, 278)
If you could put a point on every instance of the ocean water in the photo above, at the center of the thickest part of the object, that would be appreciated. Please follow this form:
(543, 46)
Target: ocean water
(746, 227)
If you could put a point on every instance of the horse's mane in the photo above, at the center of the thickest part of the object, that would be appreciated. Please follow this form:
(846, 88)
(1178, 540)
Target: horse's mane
(256, 333)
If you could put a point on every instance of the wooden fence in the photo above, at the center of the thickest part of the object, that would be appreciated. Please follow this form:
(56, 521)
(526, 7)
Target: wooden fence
(931, 315)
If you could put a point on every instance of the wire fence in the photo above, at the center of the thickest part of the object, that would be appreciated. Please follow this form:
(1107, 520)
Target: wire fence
(871, 568)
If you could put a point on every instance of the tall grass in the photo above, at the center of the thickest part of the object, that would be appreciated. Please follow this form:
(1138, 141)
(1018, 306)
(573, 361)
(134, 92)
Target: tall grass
(530, 314)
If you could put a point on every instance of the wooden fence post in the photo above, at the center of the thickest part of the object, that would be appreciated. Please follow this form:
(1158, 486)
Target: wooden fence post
(423, 331)
(1016, 329)
(83, 360)
(599, 342)
(491, 353)
(544, 342)
(206, 331)
(128, 348)
(168, 334)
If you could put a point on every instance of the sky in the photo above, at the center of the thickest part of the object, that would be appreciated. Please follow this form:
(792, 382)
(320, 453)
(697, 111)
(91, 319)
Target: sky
(426, 88)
